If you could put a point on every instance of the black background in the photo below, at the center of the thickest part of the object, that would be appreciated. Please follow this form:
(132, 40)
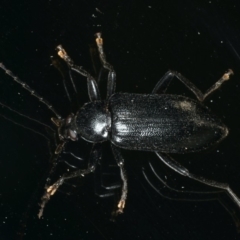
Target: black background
(142, 40)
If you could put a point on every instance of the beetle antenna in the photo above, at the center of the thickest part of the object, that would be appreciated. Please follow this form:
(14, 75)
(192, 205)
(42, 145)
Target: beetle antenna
(25, 86)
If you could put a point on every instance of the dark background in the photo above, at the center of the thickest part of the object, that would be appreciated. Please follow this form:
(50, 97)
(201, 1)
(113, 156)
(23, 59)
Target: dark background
(142, 40)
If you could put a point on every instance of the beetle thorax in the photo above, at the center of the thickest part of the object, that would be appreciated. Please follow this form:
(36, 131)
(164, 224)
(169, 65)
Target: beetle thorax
(93, 121)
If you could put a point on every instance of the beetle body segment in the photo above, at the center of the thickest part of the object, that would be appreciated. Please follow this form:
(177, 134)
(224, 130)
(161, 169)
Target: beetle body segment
(163, 122)
(93, 122)
(150, 122)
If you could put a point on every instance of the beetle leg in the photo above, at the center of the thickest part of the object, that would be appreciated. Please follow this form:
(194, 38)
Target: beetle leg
(155, 175)
(166, 79)
(93, 91)
(177, 167)
(50, 190)
(105, 179)
(163, 83)
(120, 162)
(111, 85)
(56, 63)
(183, 195)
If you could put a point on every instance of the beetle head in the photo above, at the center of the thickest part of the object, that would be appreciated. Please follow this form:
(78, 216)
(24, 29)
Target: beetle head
(64, 128)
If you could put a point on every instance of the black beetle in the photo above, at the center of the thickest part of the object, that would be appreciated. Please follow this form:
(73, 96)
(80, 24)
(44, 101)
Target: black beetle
(160, 123)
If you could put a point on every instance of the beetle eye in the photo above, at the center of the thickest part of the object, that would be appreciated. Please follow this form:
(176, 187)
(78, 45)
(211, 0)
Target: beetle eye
(72, 135)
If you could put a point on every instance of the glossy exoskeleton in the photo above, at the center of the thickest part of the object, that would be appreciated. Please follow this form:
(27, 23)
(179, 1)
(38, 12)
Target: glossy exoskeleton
(160, 123)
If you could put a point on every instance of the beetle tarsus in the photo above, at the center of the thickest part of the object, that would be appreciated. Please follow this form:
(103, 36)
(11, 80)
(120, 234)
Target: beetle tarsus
(53, 188)
(48, 193)
(121, 206)
(227, 75)
(99, 39)
(112, 74)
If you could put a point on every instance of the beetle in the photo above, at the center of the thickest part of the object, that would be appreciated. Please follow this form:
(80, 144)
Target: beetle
(160, 123)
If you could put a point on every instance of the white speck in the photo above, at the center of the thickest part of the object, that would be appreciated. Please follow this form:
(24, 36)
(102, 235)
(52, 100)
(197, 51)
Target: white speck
(19, 93)
(98, 10)
(198, 33)
(211, 100)
(165, 108)
(183, 187)
(94, 16)
(221, 41)
(210, 2)
(149, 6)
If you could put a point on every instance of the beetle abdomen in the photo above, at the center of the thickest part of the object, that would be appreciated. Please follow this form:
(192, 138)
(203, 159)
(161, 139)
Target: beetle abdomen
(165, 123)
